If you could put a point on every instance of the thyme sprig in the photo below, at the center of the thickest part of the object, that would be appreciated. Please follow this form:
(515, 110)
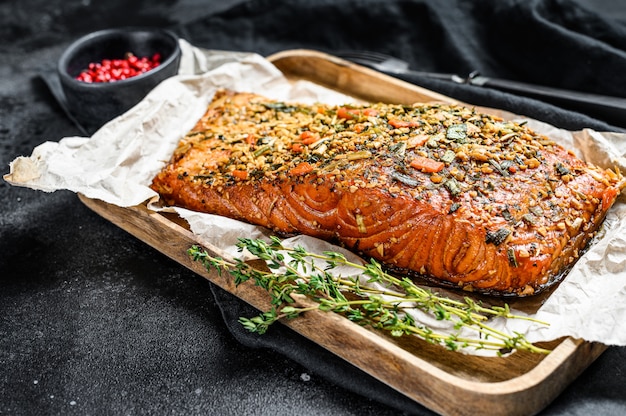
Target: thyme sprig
(371, 297)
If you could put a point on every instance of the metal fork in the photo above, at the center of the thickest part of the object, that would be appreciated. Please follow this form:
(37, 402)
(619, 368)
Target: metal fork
(608, 108)
(391, 64)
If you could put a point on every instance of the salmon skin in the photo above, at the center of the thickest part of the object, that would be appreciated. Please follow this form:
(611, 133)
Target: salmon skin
(441, 191)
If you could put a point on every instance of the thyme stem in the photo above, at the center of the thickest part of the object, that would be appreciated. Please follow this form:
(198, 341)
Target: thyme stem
(373, 297)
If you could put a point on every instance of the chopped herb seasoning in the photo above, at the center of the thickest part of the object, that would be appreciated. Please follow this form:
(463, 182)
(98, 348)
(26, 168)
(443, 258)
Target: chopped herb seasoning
(448, 156)
(529, 219)
(457, 133)
(506, 214)
(405, 179)
(452, 186)
(497, 237)
(561, 170)
(502, 171)
(510, 253)
(279, 106)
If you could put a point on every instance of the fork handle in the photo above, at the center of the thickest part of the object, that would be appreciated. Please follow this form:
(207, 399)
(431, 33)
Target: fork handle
(608, 108)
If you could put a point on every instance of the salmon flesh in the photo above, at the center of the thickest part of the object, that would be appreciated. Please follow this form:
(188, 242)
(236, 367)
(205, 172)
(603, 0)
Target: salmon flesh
(439, 191)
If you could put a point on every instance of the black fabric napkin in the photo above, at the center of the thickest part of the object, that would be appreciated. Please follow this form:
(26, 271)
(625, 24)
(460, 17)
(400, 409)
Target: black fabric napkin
(557, 43)
(315, 358)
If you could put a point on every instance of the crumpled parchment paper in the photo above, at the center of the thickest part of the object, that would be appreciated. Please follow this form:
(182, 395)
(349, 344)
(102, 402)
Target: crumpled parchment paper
(118, 162)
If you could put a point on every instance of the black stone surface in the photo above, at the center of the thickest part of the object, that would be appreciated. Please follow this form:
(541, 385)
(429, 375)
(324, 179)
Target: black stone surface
(95, 322)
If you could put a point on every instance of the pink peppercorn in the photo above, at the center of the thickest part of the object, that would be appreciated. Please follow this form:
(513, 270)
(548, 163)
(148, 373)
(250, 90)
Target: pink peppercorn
(110, 70)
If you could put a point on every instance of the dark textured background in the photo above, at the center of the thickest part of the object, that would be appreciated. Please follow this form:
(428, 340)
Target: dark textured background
(94, 322)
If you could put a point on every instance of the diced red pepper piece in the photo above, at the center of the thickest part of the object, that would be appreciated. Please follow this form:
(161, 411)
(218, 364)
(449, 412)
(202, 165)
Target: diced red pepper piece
(309, 137)
(302, 169)
(352, 113)
(426, 164)
(240, 174)
(402, 123)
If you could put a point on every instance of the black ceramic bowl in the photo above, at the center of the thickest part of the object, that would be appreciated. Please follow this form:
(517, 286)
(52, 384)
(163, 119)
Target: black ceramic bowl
(93, 104)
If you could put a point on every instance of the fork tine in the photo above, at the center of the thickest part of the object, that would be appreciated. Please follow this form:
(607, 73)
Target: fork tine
(376, 60)
(364, 55)
(361, 61)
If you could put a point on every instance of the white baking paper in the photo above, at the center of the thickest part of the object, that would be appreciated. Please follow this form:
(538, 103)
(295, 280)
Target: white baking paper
(118, 162)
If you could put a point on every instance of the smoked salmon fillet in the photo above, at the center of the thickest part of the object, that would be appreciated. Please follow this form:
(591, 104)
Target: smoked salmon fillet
(441, 191)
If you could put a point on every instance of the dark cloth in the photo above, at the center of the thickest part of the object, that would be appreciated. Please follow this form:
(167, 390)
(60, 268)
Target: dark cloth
(283, 340)
(93, 321)
(556, 43)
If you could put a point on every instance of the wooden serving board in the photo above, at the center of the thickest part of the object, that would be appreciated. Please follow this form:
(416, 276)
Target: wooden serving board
(446, 382)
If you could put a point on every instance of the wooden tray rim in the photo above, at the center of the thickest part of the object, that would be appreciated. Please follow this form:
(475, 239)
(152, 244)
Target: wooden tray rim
(518, 395)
